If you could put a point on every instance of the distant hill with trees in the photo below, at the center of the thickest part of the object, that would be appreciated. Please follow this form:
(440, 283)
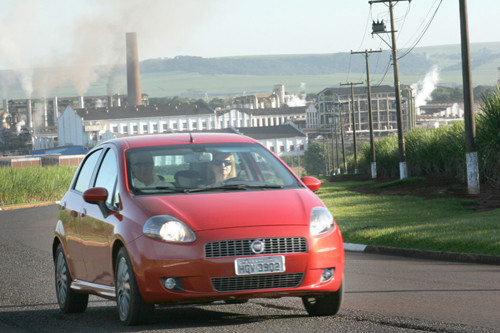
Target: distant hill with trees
(197, 77)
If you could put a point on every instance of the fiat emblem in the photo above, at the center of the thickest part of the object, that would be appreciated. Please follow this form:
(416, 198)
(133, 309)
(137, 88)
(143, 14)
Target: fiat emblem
(257, 246)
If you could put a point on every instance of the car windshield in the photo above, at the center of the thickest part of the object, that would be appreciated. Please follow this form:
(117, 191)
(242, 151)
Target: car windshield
(198, 168)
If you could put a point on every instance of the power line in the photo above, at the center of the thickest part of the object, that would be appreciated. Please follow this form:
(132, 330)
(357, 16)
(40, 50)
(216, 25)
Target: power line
(423, 33)
(368, 20)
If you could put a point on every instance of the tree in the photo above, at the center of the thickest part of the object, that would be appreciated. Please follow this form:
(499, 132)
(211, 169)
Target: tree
(314, 159)
(217, 102)
(311, 97)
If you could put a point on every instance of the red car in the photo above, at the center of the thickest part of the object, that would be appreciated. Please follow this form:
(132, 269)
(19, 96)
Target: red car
(193, 218)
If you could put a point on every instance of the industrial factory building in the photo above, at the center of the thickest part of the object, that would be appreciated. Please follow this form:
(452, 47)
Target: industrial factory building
(335, 102)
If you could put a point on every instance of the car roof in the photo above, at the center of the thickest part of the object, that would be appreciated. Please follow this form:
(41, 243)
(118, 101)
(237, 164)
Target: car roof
(178, 139)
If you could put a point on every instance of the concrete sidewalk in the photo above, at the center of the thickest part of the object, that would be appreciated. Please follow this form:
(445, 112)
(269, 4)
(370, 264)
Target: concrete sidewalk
(425, 254)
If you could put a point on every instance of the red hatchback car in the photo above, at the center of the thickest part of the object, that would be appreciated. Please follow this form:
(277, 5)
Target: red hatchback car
(193, 218)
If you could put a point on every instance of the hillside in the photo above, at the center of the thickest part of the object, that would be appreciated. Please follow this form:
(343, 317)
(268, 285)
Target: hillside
(199, 77)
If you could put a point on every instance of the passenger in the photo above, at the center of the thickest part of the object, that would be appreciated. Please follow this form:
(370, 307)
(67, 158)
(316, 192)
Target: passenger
(142, 171)
(221, 168)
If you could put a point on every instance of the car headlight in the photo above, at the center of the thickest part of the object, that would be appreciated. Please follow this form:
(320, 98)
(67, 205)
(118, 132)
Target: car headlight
(321, 221)
(169, 229)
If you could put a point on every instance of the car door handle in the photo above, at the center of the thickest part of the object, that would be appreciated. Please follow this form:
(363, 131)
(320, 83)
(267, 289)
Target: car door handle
(83, 213)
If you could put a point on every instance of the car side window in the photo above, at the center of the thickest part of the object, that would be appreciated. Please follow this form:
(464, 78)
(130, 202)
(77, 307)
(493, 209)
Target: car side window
(107, 176)
(83, 182)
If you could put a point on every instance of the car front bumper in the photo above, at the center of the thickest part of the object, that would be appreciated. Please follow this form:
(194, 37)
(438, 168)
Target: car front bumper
(202, 279)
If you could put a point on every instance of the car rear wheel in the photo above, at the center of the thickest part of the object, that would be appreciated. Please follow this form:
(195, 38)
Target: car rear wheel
(131, 307)
(325, 305)
(69, 300)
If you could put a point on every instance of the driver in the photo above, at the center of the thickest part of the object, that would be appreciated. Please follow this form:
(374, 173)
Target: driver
(221, 168)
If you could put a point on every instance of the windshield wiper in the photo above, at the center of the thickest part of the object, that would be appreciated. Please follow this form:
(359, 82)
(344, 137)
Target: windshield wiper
(232, 187)
(158, 189)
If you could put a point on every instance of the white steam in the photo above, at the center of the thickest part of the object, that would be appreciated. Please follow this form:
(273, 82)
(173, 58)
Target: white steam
(424, 88)
(297, 100)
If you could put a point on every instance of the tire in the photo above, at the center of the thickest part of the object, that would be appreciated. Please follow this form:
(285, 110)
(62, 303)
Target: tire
(325, 305)
(131, 307)
(69, 300)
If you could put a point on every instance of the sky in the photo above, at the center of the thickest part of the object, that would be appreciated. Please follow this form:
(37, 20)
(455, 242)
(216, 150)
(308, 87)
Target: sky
(62, 33)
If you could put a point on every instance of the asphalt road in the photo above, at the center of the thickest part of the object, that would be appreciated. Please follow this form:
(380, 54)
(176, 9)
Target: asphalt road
(383, 294)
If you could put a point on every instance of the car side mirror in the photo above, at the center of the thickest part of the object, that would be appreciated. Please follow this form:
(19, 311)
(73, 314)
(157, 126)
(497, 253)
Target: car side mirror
(95, 195)
(312, 183)
(98, 196)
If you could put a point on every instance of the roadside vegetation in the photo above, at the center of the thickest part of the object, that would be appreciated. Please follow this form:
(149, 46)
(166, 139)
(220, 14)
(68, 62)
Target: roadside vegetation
(441, 151)
(429, 151)
(34, 184)
(411, 222)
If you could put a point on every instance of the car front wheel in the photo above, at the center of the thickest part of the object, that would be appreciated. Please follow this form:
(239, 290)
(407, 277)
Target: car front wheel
(131, 307)
(325, 305)
(69, 300)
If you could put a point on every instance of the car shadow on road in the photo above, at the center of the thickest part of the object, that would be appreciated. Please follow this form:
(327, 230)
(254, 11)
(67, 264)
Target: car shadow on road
(104, 317)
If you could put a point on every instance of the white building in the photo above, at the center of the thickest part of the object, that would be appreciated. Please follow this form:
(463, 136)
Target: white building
(272, 127)
(86, 127)
(262, 117)
(283, 140)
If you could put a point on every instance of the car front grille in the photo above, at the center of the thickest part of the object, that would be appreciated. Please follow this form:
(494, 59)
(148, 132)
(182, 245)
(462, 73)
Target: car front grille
(241, 247)
(256, 282)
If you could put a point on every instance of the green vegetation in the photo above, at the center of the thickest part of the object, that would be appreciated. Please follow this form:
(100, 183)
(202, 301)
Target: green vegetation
(447, 94)
(442, 150)
(411, 222)
(314, 159)
(488, 137)
(33, 185)
(398, 182)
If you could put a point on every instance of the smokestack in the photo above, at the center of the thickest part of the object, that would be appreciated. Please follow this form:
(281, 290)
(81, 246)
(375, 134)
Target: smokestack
(56, 110)
(81, 102)
(133, 77)
(29, 114)
(45, 115)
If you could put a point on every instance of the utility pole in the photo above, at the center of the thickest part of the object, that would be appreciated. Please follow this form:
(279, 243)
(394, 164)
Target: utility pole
(399, 114)
(342, 138)
(336, 147)
(333, 154)
(470, 128)
(370, 113)
(355, 146)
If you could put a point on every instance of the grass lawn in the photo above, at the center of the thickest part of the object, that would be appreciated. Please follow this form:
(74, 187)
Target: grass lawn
(411, 222)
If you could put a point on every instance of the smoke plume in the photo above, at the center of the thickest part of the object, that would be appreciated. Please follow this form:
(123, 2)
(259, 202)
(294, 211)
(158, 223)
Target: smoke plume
(92, 45)
(424, 88)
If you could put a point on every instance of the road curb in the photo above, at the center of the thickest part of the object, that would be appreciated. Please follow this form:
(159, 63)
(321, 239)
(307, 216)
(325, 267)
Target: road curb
(41, 204)
(425, 254)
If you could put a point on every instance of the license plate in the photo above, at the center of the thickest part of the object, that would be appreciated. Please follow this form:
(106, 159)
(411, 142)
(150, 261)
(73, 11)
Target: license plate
(259, 265)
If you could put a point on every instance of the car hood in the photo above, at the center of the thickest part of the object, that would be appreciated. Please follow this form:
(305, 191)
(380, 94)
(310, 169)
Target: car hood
(205, 211)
